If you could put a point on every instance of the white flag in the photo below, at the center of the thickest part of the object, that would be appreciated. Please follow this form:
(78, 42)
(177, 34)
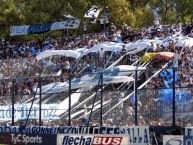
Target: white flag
(69, 16)
(93, 12)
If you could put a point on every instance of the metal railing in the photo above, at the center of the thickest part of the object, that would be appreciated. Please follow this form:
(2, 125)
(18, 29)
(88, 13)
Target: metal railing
(155, 97)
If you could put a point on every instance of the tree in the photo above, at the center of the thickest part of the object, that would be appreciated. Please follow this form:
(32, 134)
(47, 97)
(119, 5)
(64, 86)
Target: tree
(166, 10)
(120, 12)
(9, 15)
(185, 10)
(136, 13)
(144, 17)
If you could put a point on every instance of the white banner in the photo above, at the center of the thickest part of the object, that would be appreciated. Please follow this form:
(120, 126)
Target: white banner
(173, 139)
(49, 112)
(93, 12)
(70, 24)
(138, 135)
(64, 139)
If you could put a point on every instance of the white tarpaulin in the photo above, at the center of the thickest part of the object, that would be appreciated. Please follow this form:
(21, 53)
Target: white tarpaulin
(108, 46)
(81, 50)
(110, 75)
(64, 105)
(93, 12)
(180, 41)
(76, 83)
(67, 53)
(122, 70)
(184, 42)
(138, 45)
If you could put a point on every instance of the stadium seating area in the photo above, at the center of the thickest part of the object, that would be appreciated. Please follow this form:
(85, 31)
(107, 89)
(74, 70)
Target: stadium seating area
(140, 48)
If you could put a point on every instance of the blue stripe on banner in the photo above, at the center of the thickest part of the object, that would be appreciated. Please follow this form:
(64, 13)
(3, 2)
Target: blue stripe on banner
(40, 28)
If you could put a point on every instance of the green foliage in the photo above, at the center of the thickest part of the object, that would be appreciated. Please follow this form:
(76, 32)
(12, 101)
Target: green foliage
(185, 10)
(144, 17)
(119, 10)
(136, 13)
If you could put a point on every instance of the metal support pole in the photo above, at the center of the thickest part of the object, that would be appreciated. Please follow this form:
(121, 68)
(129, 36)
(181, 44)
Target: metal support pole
(13, 102)
(40, 101)
(101, 110)
(69, 103)
(104, 21)
(174, 98)
(136, 99)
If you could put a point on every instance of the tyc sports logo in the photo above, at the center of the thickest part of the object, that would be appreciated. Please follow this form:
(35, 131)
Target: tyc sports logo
(22, 138)
(91, 140)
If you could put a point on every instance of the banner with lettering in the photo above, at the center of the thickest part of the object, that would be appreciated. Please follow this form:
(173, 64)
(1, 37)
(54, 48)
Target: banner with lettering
(137, 135)
(65, 139)
(27, 139)
(49, 112)
(43, 28)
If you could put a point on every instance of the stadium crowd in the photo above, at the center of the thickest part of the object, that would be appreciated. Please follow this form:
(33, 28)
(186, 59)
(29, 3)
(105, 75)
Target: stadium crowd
(18, 62)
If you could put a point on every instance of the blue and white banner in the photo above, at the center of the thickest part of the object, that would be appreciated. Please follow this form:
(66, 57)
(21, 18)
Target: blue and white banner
(49, 112)
(39, 28)
(43, 28)
(137, 134)
(93, 12)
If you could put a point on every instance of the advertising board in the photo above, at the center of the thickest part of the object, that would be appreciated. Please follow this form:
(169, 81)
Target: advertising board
(27, 139)
(63, 139)
(173, 140)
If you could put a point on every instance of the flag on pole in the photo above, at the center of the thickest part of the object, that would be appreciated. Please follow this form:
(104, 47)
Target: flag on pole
(93, 12)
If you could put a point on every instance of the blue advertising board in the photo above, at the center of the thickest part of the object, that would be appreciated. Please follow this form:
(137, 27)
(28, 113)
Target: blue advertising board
(27, 139)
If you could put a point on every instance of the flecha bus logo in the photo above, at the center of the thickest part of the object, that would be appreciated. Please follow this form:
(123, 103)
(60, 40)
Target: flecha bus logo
(98, 140)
